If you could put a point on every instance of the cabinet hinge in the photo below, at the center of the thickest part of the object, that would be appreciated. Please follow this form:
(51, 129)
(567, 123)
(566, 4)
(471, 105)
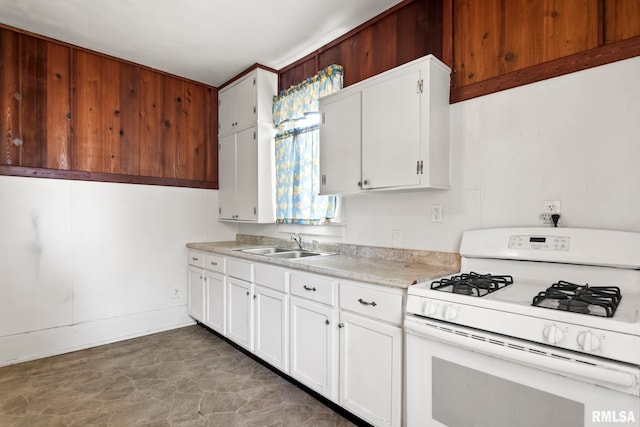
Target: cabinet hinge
(420, 85)
(220, 211)
(254, 81)
(323, 118)
(417, 167)
(255, 211)
(254, 109)
(219, 146)
(254, 135)
(324, 179)
(421, 167)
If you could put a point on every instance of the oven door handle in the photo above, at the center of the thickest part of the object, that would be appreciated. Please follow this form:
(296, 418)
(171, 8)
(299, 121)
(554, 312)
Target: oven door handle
(537, 359)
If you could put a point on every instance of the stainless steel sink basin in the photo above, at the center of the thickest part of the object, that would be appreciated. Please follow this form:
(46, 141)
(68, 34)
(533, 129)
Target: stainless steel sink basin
(297, 253)
(263, 251)
(286, 253)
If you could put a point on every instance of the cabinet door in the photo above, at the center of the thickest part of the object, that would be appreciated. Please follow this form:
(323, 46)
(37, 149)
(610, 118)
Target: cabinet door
(371, 369)
(227, 176)
(225, 112)
(215, 302)
(236, 106)
(313, 361)
(271, 321)
(340, 137)
(195, 304)
(391, 131)
(244, 107)
(246, 175)
(239, 312)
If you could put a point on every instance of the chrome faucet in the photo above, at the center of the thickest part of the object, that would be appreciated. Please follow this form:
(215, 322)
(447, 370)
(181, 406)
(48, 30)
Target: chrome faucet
(298, 239)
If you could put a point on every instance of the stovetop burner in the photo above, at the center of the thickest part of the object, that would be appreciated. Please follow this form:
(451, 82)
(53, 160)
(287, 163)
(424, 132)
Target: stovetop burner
(595, 300)
(473, 284)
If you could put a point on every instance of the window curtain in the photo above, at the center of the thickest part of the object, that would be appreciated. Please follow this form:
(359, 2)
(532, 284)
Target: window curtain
(296, 116)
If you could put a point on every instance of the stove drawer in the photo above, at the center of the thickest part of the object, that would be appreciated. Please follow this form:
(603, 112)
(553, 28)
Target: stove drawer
(371, 301)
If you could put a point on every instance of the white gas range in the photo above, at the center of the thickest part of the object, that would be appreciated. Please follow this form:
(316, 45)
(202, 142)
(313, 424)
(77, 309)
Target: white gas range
(549, 313)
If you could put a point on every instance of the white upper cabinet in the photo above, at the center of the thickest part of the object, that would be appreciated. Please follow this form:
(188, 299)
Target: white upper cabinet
(341, 133)
(390, 131)
(246, 160)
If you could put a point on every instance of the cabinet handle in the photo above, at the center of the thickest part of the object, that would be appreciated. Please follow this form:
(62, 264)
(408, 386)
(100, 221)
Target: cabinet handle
(255, 296)
(214, 263)
(363, 302)
(194, 258)
(359, 183)
(340, 325)
(366, 182)
(327, 322)
(306, 288)
(247, 292)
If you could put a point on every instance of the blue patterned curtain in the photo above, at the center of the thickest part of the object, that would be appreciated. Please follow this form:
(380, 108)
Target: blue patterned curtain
(295, 114)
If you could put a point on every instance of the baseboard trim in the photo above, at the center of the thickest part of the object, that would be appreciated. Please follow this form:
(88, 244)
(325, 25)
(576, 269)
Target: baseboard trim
(34, 345)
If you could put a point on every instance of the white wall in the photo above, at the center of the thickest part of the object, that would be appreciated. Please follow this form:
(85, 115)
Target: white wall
(574, 138)
(85, 263)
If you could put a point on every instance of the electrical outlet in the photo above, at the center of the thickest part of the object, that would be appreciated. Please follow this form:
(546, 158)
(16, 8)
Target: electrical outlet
(436, 213)
(549, 207)
(175, 293)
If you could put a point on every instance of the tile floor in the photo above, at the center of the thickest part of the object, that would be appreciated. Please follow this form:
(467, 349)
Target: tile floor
(184, 377)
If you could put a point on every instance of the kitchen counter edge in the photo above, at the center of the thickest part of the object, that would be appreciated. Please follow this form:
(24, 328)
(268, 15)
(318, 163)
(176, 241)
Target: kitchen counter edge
(397, 274)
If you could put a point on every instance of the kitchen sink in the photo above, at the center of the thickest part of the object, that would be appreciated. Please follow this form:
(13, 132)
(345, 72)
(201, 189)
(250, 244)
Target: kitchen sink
(286, 253)
(296, 253)
(264, 251)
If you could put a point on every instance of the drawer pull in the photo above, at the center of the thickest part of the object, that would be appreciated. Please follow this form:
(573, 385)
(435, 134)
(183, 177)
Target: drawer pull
(327, 322)
(214, 263)
(363, 302)
(194, 258)
(340, 325)
(306, 288)
(247, 292)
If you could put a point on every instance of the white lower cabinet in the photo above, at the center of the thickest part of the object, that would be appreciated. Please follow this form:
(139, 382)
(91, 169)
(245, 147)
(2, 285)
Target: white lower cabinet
(371, 369)
(343, 340)
(215, 307)
(313, 349)
(239, 312)
(195, 285)
(371, 352)
(271, 326)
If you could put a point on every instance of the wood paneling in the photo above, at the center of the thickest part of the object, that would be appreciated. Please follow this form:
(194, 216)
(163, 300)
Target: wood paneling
(96, 115)
(406, 32)
(621, 20)
(65, 108)
(58, 107)
(496, 37)
(34, 92)
(151, 124)
(9, 95)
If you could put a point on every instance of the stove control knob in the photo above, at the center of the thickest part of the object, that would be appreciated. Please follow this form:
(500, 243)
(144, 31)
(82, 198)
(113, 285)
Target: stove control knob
(429, 308)
(450, 313)
(588, 341)
(553, 334)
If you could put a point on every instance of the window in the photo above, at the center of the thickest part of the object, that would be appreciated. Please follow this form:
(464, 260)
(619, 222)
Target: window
(295, 114)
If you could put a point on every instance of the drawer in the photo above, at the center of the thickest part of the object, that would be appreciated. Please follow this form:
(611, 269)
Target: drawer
(214, 263)
(196, 258)
(313, 287)
(271, 277)
(373, 302)
(240, 269)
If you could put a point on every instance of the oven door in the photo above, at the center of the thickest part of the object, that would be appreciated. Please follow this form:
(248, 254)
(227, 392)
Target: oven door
(459, 377)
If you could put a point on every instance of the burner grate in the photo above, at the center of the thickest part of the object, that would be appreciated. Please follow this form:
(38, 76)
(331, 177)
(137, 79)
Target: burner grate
(595, 300)
(473, 284)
